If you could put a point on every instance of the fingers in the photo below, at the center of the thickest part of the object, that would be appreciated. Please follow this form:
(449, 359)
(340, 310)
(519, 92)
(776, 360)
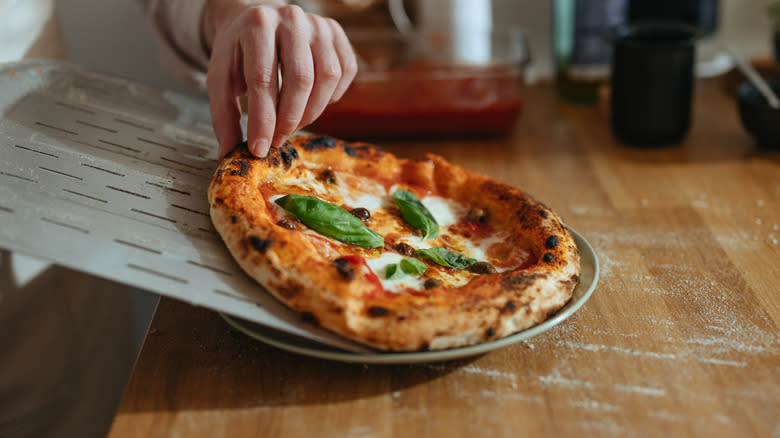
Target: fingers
(225, 109)
(258, 51)
(315, 59)
(298, 74)
(327, 71)
(347, 59)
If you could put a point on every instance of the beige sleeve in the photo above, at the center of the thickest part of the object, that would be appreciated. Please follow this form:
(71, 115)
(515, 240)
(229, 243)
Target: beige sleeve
(178, 29)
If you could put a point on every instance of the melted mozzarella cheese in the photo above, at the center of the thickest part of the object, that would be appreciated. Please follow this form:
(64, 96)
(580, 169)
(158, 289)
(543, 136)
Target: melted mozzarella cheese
(277, 209)
(309, 181)
(365, 200)
(379, 266)
(415, 242)
(349, 189)
(354, 191)
(445, 211)
(477, 249)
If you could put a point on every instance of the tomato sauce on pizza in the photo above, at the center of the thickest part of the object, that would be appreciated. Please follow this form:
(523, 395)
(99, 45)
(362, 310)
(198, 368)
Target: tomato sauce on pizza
(397, 254)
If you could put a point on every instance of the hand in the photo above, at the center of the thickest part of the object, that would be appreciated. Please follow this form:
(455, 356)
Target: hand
(250, 47)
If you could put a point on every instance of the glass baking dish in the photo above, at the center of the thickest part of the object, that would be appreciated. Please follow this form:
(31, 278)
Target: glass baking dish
(430, 85)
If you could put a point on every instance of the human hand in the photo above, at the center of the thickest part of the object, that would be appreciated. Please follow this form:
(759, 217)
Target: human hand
(251, 44)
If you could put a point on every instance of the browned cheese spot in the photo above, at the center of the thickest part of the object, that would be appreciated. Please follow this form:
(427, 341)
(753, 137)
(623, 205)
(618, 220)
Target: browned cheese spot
(477, 216)
(309, 317)
(328, 176)
(509, 307)
(287, 223)
(243, 168)
(288, 154)
(431, 283)
(344, 268)
(519, 281)
(289, 291)
(377, 311)
(259, 244)
(319, 143)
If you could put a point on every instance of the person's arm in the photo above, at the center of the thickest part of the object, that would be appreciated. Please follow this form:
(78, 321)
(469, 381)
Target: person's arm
(244, 44)
(250, 42)
(178, 27)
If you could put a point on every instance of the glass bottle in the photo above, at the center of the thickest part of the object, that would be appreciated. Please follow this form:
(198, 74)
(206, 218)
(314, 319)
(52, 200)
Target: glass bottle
(580, 45)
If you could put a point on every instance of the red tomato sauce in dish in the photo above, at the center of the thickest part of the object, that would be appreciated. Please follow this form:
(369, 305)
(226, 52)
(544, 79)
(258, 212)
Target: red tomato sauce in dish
(426, 100)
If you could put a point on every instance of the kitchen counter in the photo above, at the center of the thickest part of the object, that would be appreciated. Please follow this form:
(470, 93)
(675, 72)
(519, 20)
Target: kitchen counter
(680, 337)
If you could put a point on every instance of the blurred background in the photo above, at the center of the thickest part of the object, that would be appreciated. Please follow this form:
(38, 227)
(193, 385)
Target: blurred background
(745, 24)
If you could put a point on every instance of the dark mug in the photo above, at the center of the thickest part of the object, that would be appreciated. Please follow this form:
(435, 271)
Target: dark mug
(652, 81)
(702, 14)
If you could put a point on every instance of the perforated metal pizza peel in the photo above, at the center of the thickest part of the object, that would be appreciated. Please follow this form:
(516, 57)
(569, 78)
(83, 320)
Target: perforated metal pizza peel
(109, 177)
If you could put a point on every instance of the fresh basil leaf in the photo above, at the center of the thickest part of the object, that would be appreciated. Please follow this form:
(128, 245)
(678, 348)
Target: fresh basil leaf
(404, 268)
(392, 272)
(330, 220)
(412, 266)
(446, 258)
(416, 214)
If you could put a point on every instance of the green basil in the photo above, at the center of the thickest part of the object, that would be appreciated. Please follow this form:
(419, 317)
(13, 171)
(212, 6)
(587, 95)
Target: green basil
(330, 220)
(446, 258)
(415, 213)
(392, 272)
(412, 266)
(404, 268)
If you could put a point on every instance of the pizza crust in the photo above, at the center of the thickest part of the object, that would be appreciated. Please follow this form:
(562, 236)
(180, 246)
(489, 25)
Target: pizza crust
(288, 265)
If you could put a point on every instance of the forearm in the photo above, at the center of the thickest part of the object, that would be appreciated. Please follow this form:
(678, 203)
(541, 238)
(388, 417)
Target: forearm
(219, 13)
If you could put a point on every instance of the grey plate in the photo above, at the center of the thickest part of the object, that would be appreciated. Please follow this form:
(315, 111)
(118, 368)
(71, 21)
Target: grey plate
(588, 279)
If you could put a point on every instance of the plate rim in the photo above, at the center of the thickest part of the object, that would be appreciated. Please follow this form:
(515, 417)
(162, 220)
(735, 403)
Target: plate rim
(332, 353)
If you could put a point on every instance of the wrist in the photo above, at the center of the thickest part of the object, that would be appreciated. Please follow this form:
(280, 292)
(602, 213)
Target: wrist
(217, 14)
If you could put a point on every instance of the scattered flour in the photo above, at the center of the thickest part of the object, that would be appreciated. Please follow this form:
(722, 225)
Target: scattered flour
(361, 432)
(593, 405)
(493, 374)
(663, 415)
(653, 392)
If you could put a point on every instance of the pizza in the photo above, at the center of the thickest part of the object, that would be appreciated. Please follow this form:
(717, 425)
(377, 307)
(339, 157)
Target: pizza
(397, 254)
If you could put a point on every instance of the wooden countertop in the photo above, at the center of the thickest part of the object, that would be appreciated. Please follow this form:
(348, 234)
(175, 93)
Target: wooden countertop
(680, 337)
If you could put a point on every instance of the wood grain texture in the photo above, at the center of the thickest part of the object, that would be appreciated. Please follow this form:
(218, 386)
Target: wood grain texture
(679, 339)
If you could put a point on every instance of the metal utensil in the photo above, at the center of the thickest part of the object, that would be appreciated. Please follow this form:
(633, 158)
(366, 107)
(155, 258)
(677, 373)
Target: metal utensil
(754, 78)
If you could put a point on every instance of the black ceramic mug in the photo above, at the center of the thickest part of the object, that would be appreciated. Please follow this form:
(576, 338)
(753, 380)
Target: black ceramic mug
(652, 82)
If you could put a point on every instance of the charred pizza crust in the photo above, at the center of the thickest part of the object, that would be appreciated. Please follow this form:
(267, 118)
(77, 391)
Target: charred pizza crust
(339, 293)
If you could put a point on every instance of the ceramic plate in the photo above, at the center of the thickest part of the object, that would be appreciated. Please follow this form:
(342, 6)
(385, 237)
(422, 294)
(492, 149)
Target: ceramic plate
(588, 279)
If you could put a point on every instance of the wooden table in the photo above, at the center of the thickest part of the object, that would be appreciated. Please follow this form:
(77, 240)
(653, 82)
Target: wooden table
(680, 337)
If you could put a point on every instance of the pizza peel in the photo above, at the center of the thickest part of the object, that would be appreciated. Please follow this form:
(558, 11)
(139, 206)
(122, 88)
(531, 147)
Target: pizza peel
(109, 177)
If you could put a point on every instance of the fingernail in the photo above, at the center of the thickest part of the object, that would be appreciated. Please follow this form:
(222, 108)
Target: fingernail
(260, 148)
